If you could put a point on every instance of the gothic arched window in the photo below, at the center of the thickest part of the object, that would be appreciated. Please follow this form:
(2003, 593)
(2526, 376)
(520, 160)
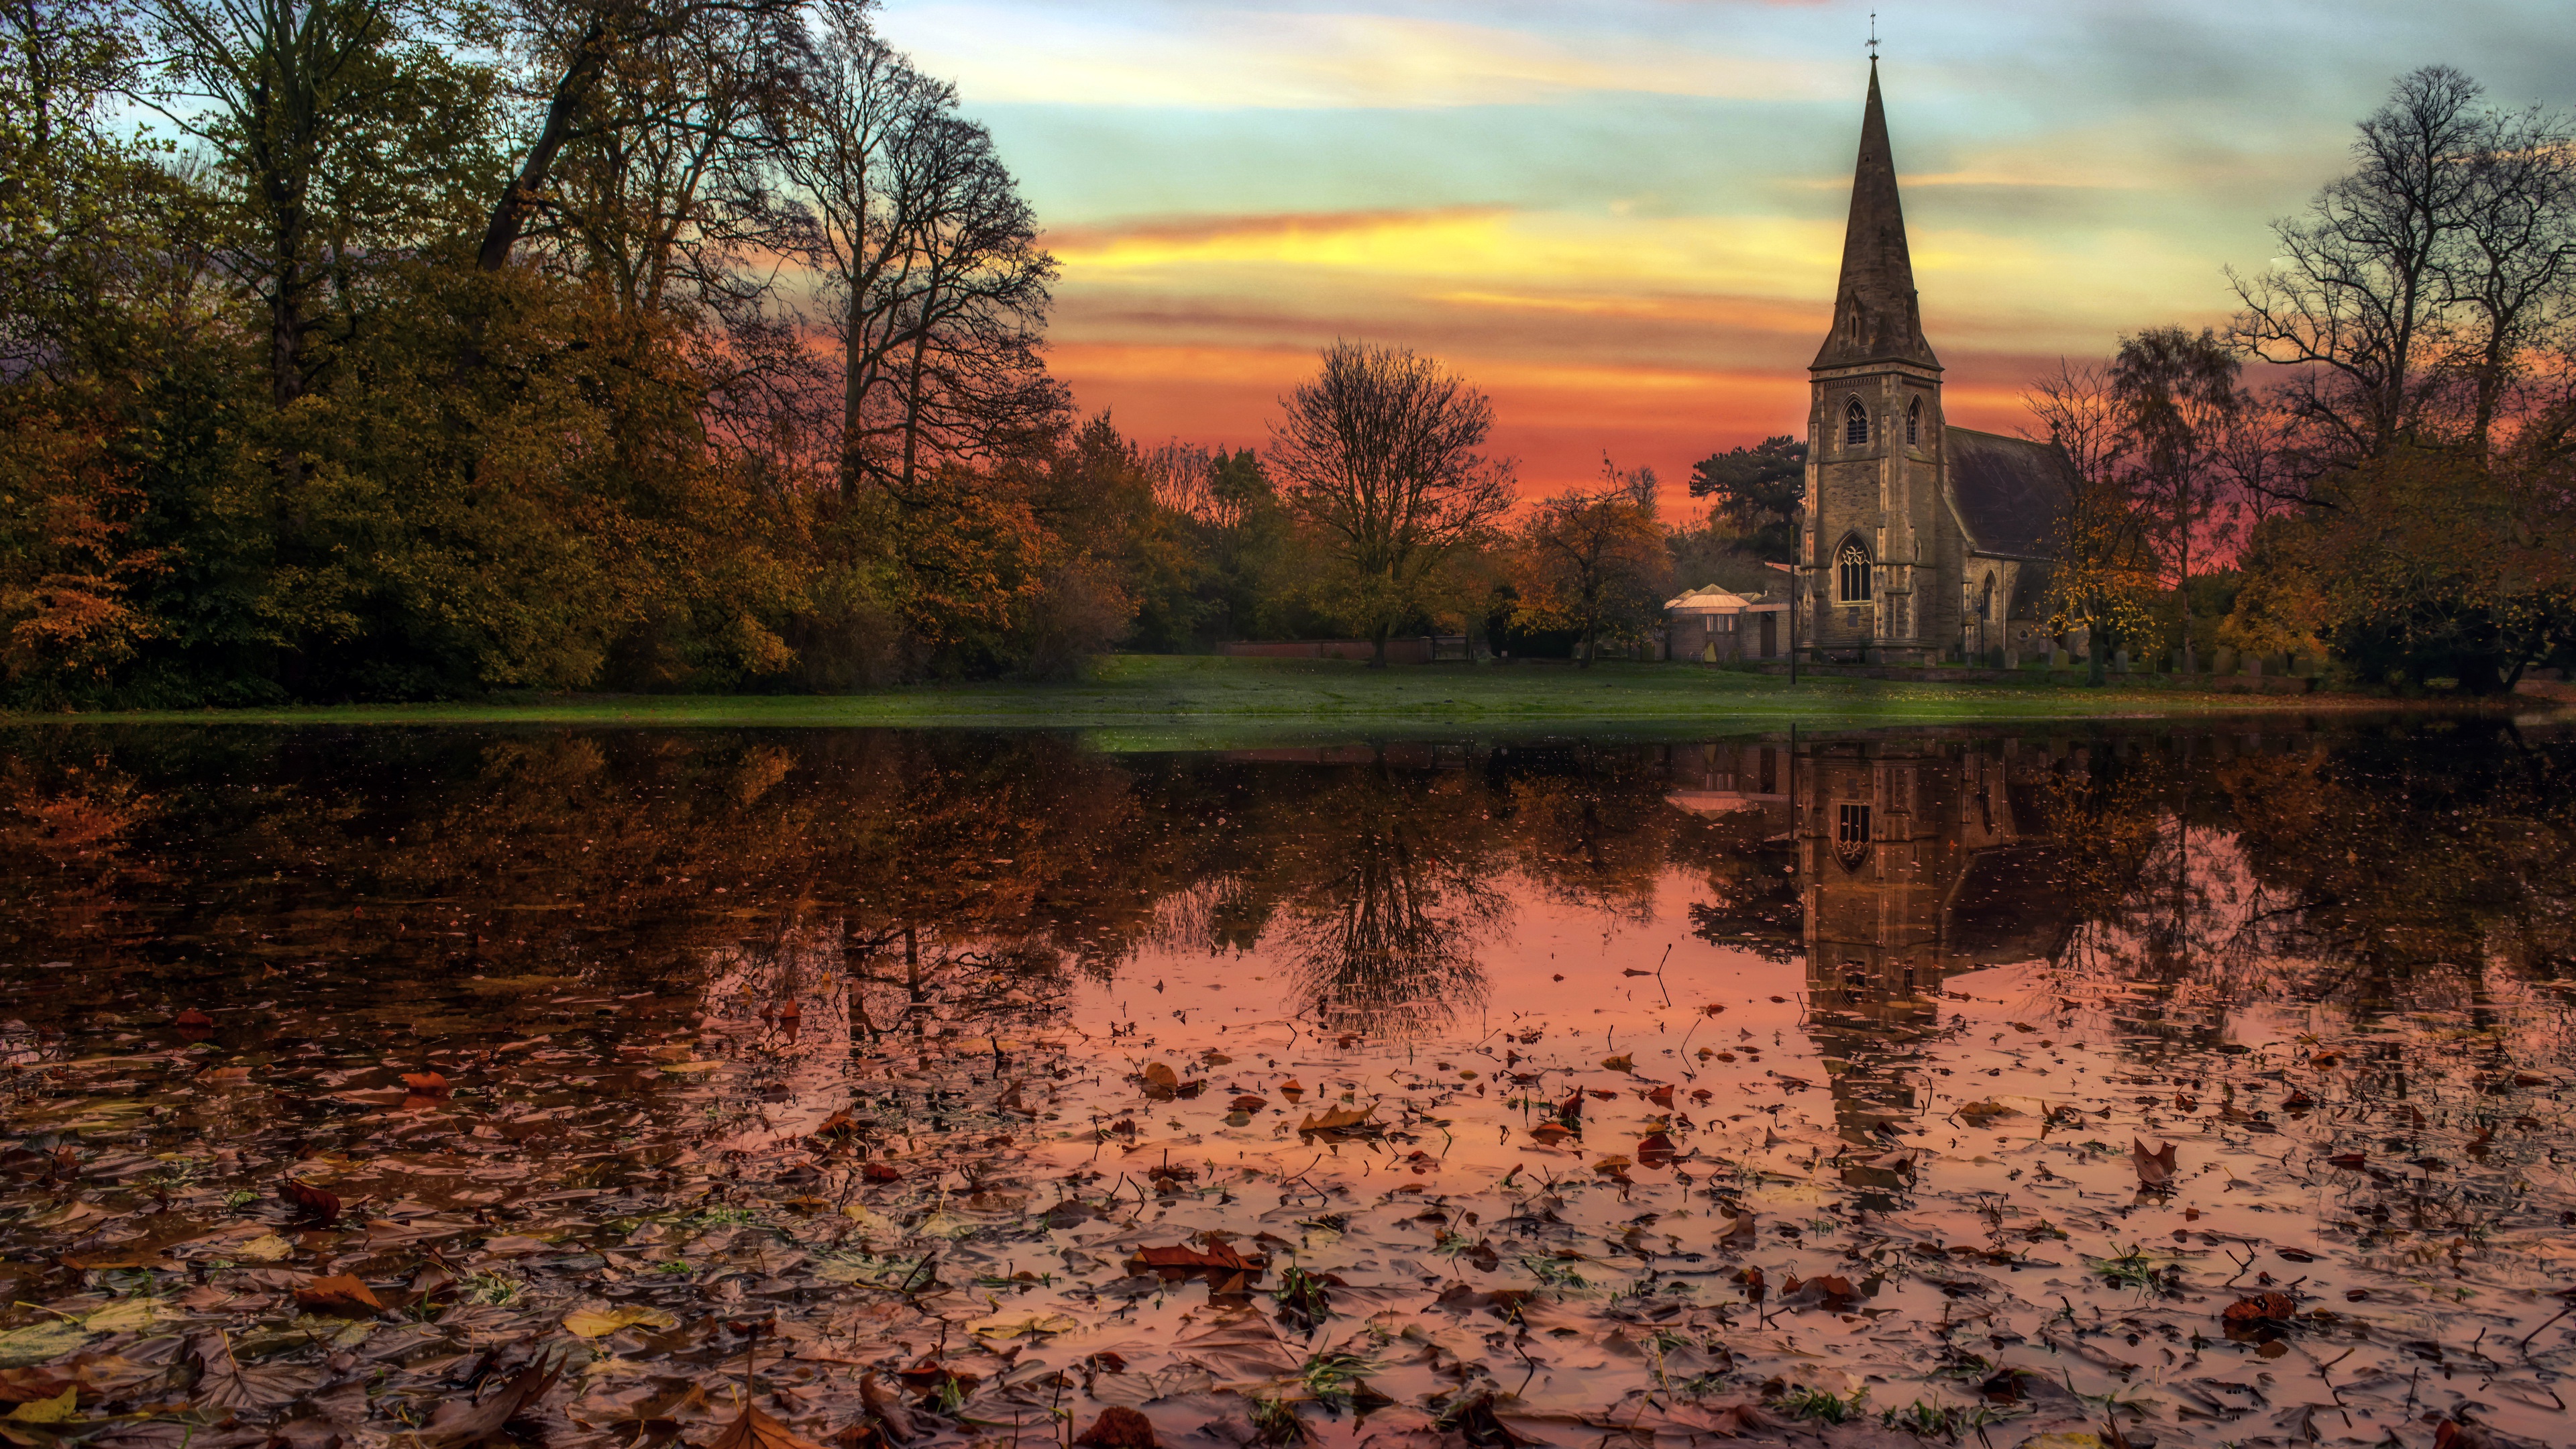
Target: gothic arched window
(1851, 834)
(1914, 422)
(1855, 423)
(1851, 567)
(1986, 601)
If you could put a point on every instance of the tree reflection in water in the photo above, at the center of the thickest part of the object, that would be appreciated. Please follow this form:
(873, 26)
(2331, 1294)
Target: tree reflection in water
(2391, 868)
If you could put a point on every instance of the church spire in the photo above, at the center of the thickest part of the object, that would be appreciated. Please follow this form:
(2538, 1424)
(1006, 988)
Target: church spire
(1876, 318)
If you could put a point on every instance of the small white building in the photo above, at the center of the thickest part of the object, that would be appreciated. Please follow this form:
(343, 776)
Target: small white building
(1715, 626)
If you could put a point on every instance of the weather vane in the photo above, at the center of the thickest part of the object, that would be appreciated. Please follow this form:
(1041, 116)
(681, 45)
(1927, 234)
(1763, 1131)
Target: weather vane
(1873, 35)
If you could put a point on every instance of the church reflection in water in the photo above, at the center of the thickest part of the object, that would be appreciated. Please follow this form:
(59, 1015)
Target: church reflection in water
(1912, 860)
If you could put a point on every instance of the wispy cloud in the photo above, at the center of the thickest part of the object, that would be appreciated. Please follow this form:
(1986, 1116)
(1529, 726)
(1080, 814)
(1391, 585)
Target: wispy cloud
(1221, 60)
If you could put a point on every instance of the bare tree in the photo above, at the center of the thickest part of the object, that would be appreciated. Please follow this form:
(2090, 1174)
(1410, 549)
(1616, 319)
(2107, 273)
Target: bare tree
(937, 287)
(2414, 290)
(570, 47)
(1379, 457)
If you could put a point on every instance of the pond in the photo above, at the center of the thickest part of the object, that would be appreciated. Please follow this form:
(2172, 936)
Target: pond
(2188, 1084)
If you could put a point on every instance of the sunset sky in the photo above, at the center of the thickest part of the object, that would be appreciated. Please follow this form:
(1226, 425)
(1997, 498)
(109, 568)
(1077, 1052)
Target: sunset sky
(1622, 217)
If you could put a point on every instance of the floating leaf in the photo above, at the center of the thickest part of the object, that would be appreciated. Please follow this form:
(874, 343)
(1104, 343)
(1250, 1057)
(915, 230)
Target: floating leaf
(601, 1322)
(1346, 1120)
(1977, 1112)
(339, 1293)
(40, 1342)
(2155, 1169)
(1006, 1326)
(312, 1202)
(1119, 1427)
(1619, 1063)
(55, 1410)
(753, 1429)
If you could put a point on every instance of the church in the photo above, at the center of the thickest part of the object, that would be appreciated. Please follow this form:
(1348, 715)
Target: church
(1920, 542)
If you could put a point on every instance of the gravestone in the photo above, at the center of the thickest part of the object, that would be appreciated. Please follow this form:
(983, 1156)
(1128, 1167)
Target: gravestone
(2120, 660)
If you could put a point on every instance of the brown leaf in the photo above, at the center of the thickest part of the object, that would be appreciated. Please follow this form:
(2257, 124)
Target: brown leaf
(1291, 1090)
(459, 1422)
(1349, 1121)
(339, 1293)
(1619, 1063)
(2156, 1168)
(756, 1430)
(2261, 1308)
(886, 1407)
(222, 1383)
(1219, 1259)
(2348, 1159)
(881, 1172)
(1249, 1103)
(426, 1084)
(1656, 1150)
(313, 1203)
(191, 1019)
(1119, 1427)
(1239, 1348)
(1161, 1082)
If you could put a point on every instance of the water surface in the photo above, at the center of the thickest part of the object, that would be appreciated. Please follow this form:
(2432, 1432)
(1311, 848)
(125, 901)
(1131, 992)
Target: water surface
(1429, 1093)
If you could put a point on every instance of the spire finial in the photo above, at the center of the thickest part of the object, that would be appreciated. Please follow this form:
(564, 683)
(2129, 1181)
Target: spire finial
(1873, 37)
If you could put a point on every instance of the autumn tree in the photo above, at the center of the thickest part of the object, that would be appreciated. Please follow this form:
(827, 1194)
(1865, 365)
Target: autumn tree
(1379, 455)
(1594, 561)
(2102, 577)
(2178, 400)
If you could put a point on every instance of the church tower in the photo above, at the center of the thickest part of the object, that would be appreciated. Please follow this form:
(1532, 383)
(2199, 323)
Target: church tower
(1877, 531)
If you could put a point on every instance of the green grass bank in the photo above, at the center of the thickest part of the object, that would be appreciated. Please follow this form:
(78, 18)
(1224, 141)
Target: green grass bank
(1163, 700)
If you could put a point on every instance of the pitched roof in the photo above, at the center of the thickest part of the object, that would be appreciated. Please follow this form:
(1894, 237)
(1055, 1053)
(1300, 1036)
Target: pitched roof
(2009, 491)
(1876, 315)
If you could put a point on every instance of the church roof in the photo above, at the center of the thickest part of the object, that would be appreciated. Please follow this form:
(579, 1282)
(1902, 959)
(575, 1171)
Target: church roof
(1876, 315)
(2009, 491)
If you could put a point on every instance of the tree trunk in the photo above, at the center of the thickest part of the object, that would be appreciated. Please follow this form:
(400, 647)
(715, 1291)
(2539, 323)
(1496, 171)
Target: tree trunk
(519, 198)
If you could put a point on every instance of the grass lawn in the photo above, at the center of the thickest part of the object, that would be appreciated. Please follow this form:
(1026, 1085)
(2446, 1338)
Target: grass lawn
(1166, 701)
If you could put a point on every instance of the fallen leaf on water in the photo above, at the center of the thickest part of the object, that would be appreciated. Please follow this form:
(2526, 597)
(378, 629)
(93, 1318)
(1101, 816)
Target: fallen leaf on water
(339, 1293)
(1987, 1111)
(1291, 1090)
(2156, 1168)
(1005, 1326)
(753, 1429)
(886, 1407)
(1655, 1150)
(266, 1248)
(2348, 1159)
(315, 1204)
(1119, 1427)
(55, 1410)
(1613, 1163)
(222, 1383)
(459, 1422)
(1549, 1133)
(2261, 1308)
(1238, 1349)
(1160, 1078)
(1249, 1103)
(426, 1084)
(1218, 1258)
(192, 1017)
(1619, 1063)
(1341, 1119)
(601, 1322)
